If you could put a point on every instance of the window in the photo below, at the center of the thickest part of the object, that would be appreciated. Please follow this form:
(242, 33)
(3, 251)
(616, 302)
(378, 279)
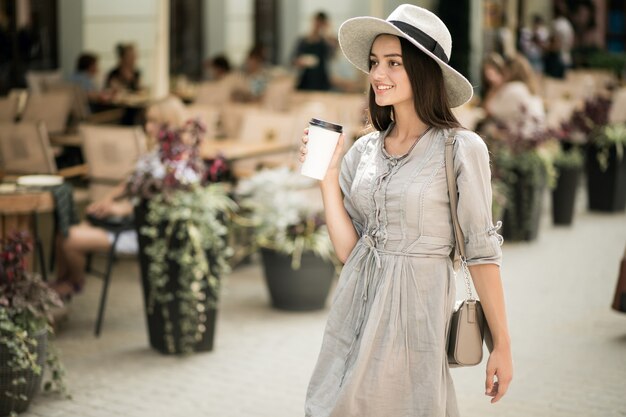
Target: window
(186, 37)
(28, 40)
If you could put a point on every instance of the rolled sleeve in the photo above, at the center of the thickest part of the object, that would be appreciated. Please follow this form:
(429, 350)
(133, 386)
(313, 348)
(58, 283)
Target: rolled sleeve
(471, 163)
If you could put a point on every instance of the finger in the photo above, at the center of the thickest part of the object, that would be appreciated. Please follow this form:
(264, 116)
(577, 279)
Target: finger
(303, 150)
(503, 387)
(305, 139)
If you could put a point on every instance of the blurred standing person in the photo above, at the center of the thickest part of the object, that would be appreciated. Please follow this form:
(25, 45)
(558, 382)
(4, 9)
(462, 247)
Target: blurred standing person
(505, 41)
(312, 55)
(125, 76)
(534, 41)
(559, 56)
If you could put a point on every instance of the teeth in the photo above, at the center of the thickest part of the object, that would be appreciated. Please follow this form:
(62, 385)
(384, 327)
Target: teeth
(384, 87)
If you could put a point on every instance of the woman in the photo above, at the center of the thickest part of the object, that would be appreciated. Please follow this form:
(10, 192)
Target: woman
(512, 99)
(388, 215)
(85, 238)
(125, 77)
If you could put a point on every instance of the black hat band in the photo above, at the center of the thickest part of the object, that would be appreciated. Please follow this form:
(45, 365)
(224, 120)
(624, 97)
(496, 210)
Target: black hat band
(422, 38)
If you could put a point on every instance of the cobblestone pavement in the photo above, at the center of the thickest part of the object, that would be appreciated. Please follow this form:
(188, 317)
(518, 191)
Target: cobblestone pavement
(569, 347)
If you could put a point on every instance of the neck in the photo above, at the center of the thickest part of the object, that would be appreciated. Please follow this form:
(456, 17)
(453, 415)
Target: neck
(408, 124)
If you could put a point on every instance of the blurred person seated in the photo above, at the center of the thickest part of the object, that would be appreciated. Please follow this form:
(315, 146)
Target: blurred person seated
(218, 68)
(511, 96)
(125, 76)
(313, 54)
(86, 74)
(255, 75)
(85, 238)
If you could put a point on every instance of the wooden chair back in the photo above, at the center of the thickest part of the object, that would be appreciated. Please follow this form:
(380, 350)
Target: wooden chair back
(51, 108)
(25, 149)
(111, 153)
(39, 81)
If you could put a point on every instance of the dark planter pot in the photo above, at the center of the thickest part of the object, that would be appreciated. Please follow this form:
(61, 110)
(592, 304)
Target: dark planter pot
(523, 212)
(305, 289)
(29, 389)
(155, 319)
(606, 189)
(564, 195)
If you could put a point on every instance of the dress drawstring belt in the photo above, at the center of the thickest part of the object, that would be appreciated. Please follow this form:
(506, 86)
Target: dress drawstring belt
(371, 249)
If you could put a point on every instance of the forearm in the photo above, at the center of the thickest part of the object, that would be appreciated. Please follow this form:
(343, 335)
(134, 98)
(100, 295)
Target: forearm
(116, 192)
(340, 228)
(488, 285)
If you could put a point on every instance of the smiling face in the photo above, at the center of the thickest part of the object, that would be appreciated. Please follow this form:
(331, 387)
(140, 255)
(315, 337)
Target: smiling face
(388, 76)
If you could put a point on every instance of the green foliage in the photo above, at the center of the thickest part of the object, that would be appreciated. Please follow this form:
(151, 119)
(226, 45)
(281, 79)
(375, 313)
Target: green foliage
(525, 172)
(601, 59)
(25, 311)
(572, 158)
(607, 137)
(195, 219)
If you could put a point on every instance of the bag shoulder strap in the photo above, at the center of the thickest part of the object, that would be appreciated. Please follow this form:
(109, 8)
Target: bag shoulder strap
(459, 253)
(453, 194)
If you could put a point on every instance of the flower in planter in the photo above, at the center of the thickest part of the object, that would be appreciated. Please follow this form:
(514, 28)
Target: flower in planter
(590, 125)
(26, 304)
(284, 219)
(592, 116)
(185, 224)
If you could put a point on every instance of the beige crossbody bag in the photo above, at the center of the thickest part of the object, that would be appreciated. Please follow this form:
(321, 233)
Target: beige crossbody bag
(468, 327)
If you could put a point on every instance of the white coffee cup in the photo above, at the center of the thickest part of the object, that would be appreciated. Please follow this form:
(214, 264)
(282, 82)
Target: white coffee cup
(323, 137)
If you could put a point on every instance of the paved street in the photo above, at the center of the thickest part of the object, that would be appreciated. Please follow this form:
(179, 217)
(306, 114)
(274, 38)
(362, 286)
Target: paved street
(569, 347)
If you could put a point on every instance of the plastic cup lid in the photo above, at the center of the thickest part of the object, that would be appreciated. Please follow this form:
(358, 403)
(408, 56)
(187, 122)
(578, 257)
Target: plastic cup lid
(326, 125)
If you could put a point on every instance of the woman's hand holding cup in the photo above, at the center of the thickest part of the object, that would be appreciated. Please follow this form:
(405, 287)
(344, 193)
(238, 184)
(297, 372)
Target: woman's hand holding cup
(327, 152)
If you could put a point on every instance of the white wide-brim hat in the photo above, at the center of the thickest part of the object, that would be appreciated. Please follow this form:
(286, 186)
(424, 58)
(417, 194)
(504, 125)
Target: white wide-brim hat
(417, 25)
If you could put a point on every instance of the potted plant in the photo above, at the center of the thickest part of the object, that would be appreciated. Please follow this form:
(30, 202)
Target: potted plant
(522, 162)
(181, 216)
(292, 236)
(568, 164)
(605, 162)
(606, 169)
(25, 313)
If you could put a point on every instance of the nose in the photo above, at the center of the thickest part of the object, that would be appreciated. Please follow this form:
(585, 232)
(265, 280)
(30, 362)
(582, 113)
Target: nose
(376, 73)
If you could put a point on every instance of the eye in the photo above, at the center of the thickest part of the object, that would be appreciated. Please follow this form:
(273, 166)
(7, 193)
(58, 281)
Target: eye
(393, 63)
(372, 63)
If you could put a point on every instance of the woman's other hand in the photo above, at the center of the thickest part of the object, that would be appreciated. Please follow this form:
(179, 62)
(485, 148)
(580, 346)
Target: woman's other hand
(499, 373)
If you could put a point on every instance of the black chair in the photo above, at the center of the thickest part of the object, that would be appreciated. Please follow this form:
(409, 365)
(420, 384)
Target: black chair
(115, 225)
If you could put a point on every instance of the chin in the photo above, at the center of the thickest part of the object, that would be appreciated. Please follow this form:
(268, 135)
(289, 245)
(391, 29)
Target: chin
(382, 102)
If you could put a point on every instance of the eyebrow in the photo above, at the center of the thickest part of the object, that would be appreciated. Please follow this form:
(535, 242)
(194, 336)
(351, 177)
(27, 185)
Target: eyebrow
(387, 56)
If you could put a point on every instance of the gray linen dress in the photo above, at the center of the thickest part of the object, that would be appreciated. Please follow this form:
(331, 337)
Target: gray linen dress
(383, 353)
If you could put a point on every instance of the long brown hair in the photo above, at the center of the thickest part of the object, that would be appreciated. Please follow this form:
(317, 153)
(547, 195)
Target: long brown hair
(429, 92)
(519, 69)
